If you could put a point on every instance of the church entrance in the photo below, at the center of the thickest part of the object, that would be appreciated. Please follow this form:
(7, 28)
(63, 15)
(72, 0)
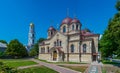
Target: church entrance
(54, 55)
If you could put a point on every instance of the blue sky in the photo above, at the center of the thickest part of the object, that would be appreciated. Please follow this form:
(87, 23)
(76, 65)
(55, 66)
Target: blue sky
(16, 15)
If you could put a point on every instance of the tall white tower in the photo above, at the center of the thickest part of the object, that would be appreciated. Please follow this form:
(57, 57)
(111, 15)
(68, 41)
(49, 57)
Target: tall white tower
(31, 36)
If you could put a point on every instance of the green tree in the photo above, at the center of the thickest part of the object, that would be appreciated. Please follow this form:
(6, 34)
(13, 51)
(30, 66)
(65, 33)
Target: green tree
(33, 52)
(2, 54)
(118, 5)
(16, 49)
(3, 41)
(36, 47)
(110, 41)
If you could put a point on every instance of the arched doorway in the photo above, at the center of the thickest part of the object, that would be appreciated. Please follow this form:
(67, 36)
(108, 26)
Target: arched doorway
(54, 55)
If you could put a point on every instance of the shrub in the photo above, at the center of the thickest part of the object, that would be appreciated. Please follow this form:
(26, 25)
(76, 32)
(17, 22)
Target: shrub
(6, 69)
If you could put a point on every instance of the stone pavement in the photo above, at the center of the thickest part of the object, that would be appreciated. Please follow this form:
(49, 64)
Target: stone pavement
(95, 67)
(55, 67)
(23, 67)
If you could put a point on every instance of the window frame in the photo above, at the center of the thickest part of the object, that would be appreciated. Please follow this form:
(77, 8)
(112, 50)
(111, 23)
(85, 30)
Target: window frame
(72, 48)
(84, 48)
(42, 50)
(64, 29)
(73, 27)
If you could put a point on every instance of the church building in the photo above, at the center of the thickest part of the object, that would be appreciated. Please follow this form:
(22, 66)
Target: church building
(70, 43)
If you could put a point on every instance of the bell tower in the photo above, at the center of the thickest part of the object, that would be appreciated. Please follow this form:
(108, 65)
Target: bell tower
(31, 36)
(51, 31)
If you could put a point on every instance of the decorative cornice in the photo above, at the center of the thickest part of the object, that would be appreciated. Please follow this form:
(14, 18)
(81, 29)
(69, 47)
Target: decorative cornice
(90, 39)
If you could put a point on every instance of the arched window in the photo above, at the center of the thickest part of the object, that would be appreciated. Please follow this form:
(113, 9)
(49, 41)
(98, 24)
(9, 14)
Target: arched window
(54, 43)
(51, 33)
(42, 50)
(64, 29)
(57, 42)
(84, 48)
(60, 43)
(48, 49)
(72, 48)
(77, 27)
(72, 27)
(32, 40)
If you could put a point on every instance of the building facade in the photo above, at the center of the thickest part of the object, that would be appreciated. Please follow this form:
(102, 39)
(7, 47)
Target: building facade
(70, 43)
(3, 47)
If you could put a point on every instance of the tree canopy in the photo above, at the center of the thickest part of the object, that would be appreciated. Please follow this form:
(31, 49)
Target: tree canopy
(110, 41)
(3, 41)
(16, 49)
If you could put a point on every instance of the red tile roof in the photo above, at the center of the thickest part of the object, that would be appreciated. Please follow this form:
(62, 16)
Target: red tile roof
(51, 28)
(75, 21)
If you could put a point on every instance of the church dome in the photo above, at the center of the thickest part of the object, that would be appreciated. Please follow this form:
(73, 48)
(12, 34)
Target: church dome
(51, 28)
(67, 20)
(75, 21)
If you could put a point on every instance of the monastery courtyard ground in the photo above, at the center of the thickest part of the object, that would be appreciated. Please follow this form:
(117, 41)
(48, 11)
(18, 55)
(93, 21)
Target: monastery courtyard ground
(37, 66)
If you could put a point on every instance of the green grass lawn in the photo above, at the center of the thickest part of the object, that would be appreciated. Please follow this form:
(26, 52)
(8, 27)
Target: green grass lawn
(41, 69)
(17, 62)
(77, 68)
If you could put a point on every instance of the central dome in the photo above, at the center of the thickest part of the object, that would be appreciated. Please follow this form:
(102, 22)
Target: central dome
(67, 20)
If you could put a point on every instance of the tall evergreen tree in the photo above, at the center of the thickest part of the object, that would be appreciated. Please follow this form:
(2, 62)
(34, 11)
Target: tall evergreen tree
(110, 42)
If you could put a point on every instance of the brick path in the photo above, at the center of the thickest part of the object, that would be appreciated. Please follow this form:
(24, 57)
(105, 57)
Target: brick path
(55, 67)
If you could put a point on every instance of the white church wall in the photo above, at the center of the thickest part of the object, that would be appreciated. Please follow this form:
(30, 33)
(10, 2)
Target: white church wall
(45, 57)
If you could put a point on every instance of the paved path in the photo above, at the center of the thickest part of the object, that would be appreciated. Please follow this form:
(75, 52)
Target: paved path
(74, 64)
(94, 68)
(55, 67)
(23, 67)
